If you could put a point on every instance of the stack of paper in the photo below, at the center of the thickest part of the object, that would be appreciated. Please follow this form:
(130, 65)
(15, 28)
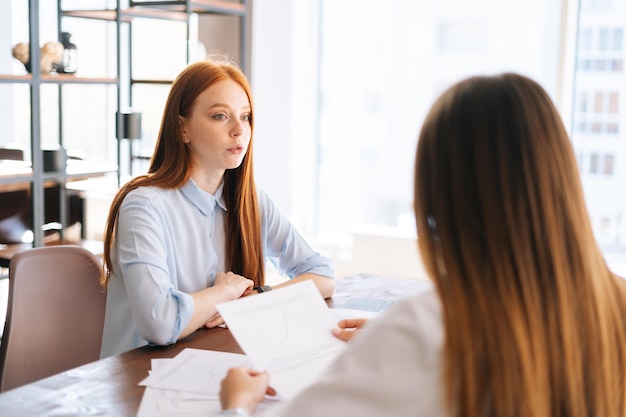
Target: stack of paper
(188, 384)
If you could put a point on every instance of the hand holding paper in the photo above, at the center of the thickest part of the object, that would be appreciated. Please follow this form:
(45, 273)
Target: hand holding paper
(287, 331)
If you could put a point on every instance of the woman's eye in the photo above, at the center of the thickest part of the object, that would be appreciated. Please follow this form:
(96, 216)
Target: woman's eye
(247, 117)
(219, 116)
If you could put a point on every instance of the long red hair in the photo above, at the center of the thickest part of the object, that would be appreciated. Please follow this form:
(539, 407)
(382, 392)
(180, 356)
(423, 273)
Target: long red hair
(171, 161)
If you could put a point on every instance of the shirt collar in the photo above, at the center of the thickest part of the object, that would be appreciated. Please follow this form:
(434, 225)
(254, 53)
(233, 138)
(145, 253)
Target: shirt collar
(204, 201)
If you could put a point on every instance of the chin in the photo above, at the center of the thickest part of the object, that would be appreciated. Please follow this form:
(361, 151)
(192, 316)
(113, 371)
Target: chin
(234, 166)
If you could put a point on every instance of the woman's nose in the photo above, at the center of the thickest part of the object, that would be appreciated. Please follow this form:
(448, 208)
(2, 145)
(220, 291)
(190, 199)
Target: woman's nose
(237, 128)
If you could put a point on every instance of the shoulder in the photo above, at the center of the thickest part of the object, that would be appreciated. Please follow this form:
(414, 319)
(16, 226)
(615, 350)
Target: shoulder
(267, 206)
(424, 305)
(149, 199)
(263, 198)
(417, 319)
(147, 194)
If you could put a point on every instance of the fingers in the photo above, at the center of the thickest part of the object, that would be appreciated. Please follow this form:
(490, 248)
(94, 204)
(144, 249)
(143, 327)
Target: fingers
(214, 321)
(244, 387)
(348, 328)
(237, 284)
(351, 323)
(265, 375)
(345, 335)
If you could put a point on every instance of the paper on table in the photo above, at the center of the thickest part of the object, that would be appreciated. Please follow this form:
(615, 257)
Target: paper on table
(194, 370)
(196, 378)
(351, 313)
(287, 331)
(166, 403)
(158, 402)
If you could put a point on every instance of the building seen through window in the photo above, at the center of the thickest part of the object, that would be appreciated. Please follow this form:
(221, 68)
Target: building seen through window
(598, 118)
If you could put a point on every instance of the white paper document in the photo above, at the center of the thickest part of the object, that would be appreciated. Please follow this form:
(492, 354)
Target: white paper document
(350, 313)
(287, 331)
(188, 385)
(194, 370)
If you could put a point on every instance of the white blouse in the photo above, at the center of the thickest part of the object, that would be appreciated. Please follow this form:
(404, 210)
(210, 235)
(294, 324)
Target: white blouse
(169, 244)
(393, 368)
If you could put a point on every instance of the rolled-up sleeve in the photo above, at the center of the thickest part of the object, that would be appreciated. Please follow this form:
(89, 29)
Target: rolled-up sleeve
(286, 248)
(159, 310)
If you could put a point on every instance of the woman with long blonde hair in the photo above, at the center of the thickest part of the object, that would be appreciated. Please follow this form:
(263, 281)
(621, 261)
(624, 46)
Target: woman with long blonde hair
(524, 319)
(195, 230)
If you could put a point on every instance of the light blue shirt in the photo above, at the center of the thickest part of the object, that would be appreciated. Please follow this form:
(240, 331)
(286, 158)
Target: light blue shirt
(170, 243)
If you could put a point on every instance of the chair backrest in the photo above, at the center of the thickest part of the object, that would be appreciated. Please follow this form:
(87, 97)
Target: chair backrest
(55, 314)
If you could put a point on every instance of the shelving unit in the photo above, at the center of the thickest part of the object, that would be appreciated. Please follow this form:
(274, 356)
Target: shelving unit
(122, 17)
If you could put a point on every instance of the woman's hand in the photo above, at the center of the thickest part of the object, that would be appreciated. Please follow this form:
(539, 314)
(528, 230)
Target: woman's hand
(245, 388)
(236, 286)
(215, 321)
(348, 328)
(236, 283)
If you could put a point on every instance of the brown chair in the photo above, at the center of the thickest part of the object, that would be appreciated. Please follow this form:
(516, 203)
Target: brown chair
(55, 314)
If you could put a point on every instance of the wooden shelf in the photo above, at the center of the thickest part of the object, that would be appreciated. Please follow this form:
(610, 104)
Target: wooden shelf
(122, 19)
(73, 79)
(8, 78)
(55, 78)
(165, 10)
(148, 81)
(198, 6)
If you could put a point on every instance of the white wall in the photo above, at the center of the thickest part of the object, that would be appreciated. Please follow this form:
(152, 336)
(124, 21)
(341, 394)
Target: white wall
(284, 67)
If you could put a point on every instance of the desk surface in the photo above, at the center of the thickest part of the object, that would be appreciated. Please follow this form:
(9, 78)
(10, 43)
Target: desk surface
(108, 387)
(17, 175)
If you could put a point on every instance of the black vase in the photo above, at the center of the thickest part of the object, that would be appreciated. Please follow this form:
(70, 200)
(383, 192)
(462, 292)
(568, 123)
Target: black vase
(68, 64)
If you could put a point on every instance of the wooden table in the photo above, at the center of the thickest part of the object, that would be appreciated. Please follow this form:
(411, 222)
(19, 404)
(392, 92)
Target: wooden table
(108, 387)
(18, 175)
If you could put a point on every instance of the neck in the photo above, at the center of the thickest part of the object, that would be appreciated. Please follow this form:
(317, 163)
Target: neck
(208, 181)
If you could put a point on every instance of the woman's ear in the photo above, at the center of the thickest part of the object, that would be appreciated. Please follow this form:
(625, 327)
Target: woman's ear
(183, 130)
(182, 126)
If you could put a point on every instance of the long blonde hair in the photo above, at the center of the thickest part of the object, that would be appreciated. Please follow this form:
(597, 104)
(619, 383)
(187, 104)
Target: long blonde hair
(170, 168)
(534, 319)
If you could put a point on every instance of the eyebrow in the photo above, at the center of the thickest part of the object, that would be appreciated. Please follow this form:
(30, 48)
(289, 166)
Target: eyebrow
(225, 105)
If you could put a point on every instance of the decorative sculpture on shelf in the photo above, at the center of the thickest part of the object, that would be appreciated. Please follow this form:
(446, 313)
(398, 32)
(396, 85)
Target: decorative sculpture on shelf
(51, 55)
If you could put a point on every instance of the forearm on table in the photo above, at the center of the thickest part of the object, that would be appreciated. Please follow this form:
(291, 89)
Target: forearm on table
(325, 285)
(205, 302)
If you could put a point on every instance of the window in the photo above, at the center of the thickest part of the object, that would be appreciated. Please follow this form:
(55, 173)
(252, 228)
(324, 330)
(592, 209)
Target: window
(608, 164)
(597, 112)
(593, 163)
(600, 48)
(379, 78)
(598, 163)
(596, 129)
(375, 87)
